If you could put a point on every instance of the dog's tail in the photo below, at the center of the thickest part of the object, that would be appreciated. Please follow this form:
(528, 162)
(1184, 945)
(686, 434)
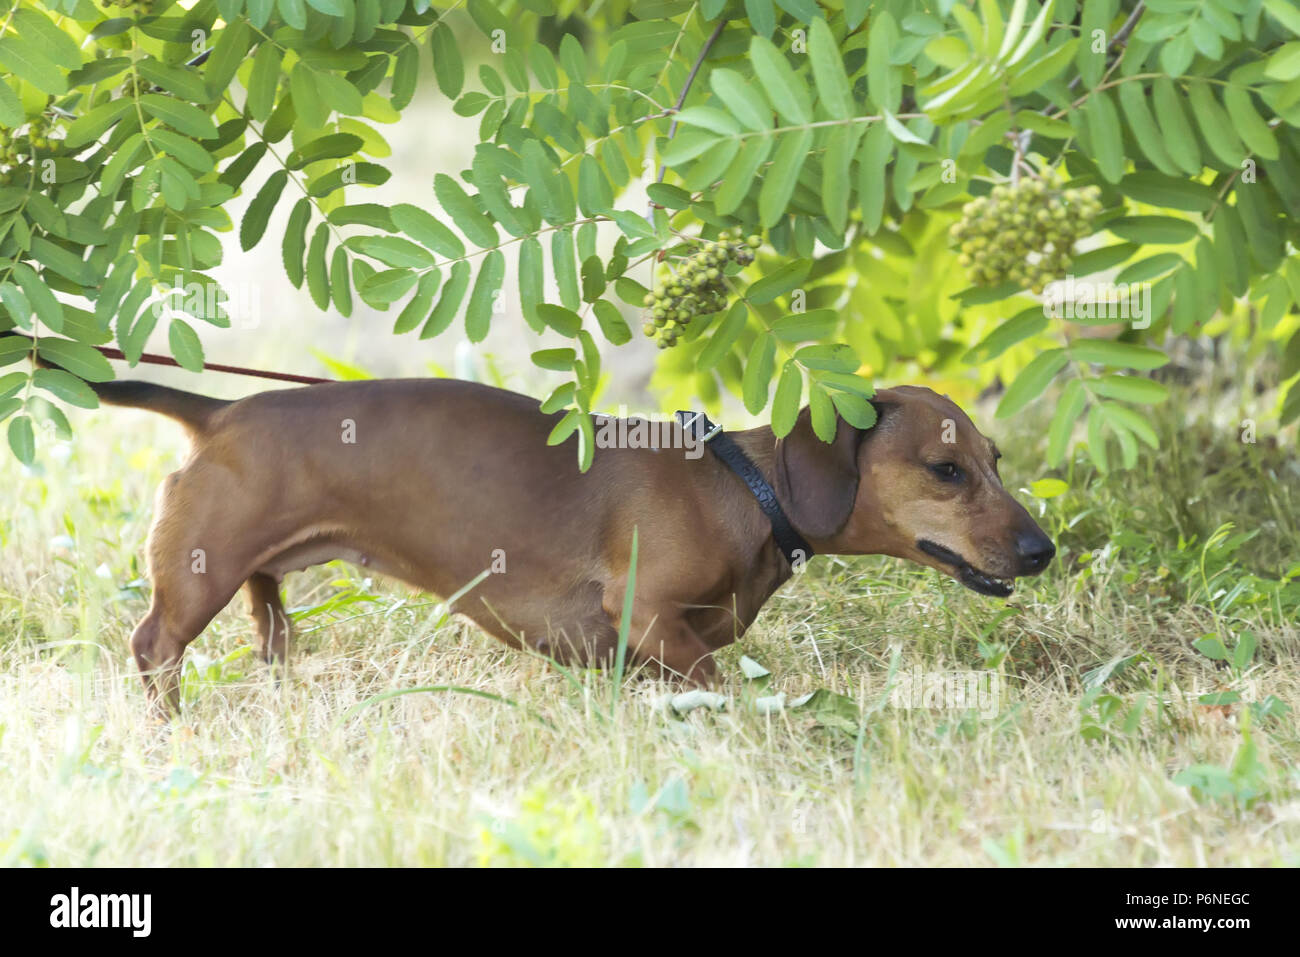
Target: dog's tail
(193, 411)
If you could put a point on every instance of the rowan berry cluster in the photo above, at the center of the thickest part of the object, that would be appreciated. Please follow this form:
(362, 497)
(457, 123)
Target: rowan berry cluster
(696, 288)
(15, 146)
(1024, 233)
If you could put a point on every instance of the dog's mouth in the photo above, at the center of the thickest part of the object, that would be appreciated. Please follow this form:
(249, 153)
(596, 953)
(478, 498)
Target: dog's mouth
(966, 573)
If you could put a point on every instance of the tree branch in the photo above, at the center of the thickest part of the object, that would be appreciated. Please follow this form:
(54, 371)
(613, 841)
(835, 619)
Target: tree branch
(686, 89)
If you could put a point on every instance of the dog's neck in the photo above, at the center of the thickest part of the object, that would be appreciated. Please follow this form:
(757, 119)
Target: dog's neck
(760, 445)
(770, 568)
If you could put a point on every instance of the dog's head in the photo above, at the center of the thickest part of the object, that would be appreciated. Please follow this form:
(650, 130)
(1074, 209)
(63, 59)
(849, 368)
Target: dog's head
(922, 484)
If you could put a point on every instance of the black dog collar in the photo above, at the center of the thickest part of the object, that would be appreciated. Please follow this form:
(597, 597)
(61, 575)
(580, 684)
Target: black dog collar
(792, 544)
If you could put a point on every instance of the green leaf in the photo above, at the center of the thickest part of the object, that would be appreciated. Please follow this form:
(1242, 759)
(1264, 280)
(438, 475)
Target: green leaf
(758, 373)
(182, 117)
(532, 281)
(426, 230)
(828, 69)
(20, 310)
(881, 40)
(185, 346)
(477, 228)
(388, 286)
(1133, 100)
(78, 358)
(294, 13)
(1254, 131)
(742, 98)
(546, 186)
(595, 195)
(1130, 389)
(22, 439)
(1156, 189)
(228, 53)
(35, 26)
(417, 308)
(1031, 382)
(318, 284)
(66, 386)
(1104, 131)
(478, 314)
(1023, 325)
(308, 99)
(47, 308)
(854, 409)
(785, 404)
(406, 76)
(782, 176)
(448, 66)
(822, 412)
(778, 283)
(739, 179)
(13, 349)
(710, 118)
(331, 146)
(1120, 355)
(556, 360)
(1284, 13)
(255, 219)
(835, 175)
(184, 149)
(1176, 54)
(1163, 230)
(873, 158)
(1097, 439)
(263, 81)
(564, 263)
(91, 125)
(453, 292)
(724, 337)
(186, 83)
(762, 16)
(829, 357)
(391, 250)
(1215, 126)
(564, 321)
(28, 62)
(612, 324)
(1180, 141)
(566, 426)
(1068, 408)
(11, 108)
(294, 244)
(593, 279)
(803, 326)
(784, 89)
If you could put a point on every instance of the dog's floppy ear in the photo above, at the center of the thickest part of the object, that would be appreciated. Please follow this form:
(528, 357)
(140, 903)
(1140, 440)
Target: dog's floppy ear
(817, 481)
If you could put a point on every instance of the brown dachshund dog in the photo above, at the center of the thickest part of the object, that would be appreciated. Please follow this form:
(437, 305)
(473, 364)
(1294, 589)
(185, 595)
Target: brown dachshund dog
(433, 481)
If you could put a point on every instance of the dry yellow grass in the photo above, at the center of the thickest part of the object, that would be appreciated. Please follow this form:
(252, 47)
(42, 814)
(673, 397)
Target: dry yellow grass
(259, 773)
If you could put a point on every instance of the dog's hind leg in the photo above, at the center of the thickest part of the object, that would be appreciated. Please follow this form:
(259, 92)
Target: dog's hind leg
(197, 561)
(267, 611)
(159, 641)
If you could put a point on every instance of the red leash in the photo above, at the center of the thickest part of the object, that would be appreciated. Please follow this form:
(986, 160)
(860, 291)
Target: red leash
(109, 353)
(157, 360)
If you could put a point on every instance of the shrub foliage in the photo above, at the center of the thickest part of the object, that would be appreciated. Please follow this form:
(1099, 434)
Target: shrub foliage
(848, 136)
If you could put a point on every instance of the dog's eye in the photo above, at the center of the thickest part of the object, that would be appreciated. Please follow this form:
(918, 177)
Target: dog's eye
(947, 471)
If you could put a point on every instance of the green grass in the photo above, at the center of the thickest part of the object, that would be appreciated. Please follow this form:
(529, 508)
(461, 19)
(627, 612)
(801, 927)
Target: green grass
(1118, 738)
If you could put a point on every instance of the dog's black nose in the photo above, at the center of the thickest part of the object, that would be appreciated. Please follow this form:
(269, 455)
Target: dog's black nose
(1035, 551)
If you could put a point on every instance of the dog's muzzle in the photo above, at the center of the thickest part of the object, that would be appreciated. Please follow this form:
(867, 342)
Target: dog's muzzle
(966, 573)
